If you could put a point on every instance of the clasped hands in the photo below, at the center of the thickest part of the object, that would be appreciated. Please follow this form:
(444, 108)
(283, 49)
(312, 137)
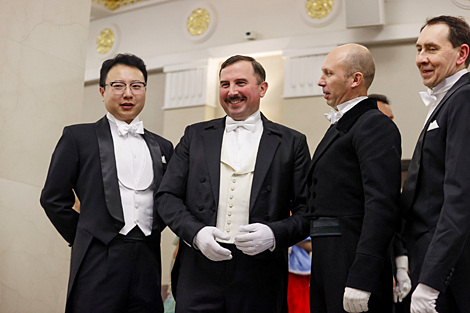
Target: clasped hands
(258, 238)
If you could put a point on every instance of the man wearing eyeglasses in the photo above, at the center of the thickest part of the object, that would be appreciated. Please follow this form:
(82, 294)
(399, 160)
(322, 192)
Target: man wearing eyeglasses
(114, 167)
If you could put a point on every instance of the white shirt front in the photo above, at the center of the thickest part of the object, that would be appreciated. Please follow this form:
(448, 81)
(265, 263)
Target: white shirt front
(440, 90)
(240, 143)
(135, 176)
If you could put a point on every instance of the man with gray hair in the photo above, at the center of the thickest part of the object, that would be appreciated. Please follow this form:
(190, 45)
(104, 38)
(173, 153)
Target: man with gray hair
(354, 183)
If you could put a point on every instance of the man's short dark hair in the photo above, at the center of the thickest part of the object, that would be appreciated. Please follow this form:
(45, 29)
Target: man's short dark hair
(459, 30)
(378, 97)
(124, 59)
(258, 69)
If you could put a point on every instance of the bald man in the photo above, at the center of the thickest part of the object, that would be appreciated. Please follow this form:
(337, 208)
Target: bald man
(354, 184)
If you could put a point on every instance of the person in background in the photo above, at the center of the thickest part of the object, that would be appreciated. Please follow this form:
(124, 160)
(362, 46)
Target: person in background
(383, 104)
(436, 193)
(114, 166)
(299, 277)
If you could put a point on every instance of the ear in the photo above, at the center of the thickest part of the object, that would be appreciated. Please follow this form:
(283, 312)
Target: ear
(263, 87)
(102, 93)
(357, 79)
(463, 54)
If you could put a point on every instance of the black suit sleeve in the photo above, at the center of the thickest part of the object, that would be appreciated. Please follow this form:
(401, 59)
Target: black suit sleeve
(171, 195)
(57, 196)
(295, 228)
(378, 148)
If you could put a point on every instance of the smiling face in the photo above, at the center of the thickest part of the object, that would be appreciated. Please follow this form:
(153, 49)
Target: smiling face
(125, 106)
(239, 91)
(436, 58)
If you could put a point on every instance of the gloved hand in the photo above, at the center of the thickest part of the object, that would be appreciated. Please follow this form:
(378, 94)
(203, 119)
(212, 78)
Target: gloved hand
(355, 300)
(259, 238)
(205, 241)
(423, 299)
(403, 286)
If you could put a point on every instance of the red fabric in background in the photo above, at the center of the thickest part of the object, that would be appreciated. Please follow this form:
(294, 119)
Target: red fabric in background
(298, 293)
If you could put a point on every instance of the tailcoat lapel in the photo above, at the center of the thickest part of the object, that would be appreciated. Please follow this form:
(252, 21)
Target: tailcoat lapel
(212, 136)
(156, 154)
(269, 142)
(409, 186)
(108, 169)
(342, 127)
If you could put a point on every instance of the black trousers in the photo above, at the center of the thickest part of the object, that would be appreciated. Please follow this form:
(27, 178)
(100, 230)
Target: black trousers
(122, 277)
(330, 269)
(243, 284)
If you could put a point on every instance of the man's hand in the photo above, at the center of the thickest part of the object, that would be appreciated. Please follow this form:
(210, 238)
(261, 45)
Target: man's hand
(205, 241)
(260, 237)
(403, 286)
(355, 300)
(423, 299)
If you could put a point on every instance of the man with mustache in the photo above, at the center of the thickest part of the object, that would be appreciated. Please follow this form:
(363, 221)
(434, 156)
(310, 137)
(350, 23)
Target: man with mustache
(436, 192)
(228, 194)
(114, 167)
(354, 182)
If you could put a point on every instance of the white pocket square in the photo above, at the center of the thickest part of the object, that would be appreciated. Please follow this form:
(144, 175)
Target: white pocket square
(433, 125)
(163, 159)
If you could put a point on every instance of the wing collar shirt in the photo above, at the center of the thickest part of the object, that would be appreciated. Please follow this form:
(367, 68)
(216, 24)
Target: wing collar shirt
(432, 97)
(335, 115)
(135, 174)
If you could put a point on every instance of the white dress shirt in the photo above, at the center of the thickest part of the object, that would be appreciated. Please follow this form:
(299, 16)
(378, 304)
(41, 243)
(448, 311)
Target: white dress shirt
(135, 176)
(241, 142)
(440, 91)
(342, 109)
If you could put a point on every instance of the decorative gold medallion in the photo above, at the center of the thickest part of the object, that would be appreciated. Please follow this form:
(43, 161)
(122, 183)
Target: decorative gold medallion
(319, 9)
(105, 41)
(198, 22)
(115, 4)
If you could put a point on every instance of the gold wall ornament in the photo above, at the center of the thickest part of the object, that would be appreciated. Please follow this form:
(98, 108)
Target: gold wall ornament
(198, 22)
(105, 41)
(319, 9)
(115, 4)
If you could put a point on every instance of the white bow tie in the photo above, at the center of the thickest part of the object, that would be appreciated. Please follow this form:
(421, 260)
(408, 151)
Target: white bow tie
(428, 97)
(334, 116)
(232, 125)
(134, 129)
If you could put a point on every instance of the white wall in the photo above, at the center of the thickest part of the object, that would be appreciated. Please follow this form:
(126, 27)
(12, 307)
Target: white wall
(42, 64)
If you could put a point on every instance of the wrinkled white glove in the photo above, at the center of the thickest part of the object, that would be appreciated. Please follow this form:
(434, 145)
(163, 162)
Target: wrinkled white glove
(355, 300)
(260, 237)
(423, 299)
(205, 241)
(403, 286)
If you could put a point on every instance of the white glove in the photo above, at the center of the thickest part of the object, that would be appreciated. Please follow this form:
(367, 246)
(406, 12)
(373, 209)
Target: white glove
(205, 241)
(423, 299)
(403, 286)
(260, 237)
(355, 300)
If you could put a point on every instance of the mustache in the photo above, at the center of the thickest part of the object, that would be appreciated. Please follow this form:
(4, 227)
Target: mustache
(238, 97)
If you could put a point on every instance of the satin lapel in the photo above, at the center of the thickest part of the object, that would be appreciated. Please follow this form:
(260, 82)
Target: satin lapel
(108, 169)
(212, 137)
(409, 186)
(269, 142)
(156, 154)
